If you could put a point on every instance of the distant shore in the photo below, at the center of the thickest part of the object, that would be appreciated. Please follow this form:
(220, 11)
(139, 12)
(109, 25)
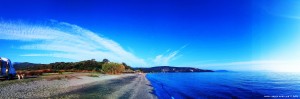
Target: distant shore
(132, 86)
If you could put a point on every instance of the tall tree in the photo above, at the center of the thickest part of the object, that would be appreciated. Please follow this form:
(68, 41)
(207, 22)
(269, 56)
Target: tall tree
(105, 60)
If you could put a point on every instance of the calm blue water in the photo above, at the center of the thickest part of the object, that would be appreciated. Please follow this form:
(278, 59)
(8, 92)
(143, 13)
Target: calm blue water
(225, 85)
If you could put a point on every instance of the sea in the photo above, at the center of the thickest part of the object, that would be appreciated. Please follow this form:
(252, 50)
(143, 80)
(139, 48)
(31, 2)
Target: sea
(226, 85)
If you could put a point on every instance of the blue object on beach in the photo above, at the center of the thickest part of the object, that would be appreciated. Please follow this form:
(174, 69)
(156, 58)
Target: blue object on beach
(6, 68)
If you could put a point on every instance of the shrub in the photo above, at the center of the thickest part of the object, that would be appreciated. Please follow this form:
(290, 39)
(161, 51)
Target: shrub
(113, 68)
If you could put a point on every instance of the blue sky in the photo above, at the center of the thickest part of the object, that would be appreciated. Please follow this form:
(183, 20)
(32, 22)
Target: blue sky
(210, 34)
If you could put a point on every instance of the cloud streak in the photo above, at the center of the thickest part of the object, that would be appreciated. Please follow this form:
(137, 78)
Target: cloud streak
(164, 59)
(64, 40)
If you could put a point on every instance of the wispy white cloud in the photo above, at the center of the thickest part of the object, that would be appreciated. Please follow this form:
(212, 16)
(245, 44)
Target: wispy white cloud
(64, 40)
(164, 59)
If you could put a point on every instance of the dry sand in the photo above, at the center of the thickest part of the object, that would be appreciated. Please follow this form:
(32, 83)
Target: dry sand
(126, 86)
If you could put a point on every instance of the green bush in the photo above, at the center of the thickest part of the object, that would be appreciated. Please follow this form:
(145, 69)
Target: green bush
(113, 68)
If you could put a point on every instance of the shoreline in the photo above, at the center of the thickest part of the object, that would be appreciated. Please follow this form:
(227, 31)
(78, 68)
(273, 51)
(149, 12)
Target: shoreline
(145, 87)
(130, 86)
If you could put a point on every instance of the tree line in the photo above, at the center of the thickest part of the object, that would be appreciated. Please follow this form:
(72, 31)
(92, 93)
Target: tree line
(104, 66)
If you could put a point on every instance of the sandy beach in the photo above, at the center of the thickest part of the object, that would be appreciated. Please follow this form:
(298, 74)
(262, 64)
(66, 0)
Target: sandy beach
(125, 86)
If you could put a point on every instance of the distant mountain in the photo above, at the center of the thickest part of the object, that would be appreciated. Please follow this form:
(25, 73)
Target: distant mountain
(221, 71)
(172, 69)
(24, 65)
